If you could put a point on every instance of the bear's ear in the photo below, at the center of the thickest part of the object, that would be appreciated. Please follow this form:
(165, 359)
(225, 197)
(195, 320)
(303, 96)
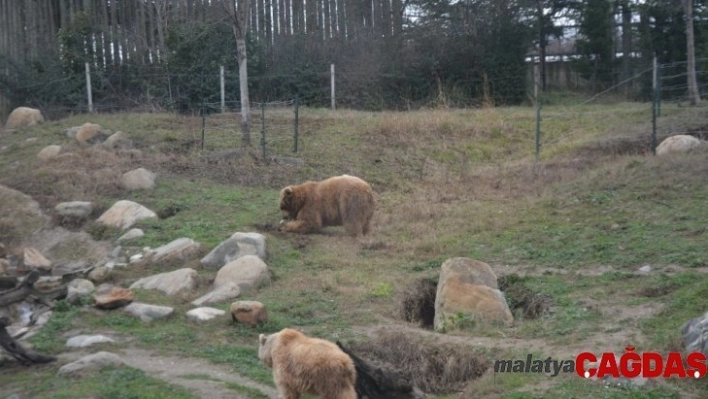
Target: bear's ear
(288, 191)
(262, 339)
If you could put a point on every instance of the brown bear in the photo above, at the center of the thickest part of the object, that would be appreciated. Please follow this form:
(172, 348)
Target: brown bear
(338, 201)
(302, 364)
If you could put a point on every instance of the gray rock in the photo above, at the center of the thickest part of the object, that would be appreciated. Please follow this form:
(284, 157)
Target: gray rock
(695, 334)
(124, 214)
(645, 269)
(236, 246)
(99, 274)
(179, 249)
(131, 235)
(247, 273)
(148, 313)
(74, 209)
(82, 341)
(48, 283)
(224, 293)
(49, 152)
(118, 140)
(467, 295)
(204, 314)
(679, 143)
(171, 283)
(138, 179)
(70, 132)
(90, 363)
(78, 289)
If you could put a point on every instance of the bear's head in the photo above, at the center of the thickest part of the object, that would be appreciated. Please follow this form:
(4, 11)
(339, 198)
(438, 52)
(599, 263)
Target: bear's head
(265, 345)
(290, 203)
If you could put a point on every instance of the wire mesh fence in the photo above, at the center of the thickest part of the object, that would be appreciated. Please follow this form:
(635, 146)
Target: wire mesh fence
(272, 126)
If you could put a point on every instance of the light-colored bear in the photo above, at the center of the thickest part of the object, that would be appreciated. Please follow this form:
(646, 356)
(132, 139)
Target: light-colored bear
(305, 365)
(338, 201)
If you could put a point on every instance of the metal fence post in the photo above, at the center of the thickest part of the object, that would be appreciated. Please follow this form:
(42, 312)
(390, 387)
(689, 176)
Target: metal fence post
(654, 104)
(203, 112)
(263, 140)
(296, 123)
(88, 88)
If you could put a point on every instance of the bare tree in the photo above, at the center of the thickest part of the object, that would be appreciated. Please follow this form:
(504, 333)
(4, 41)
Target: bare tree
(694, 97)
(238, 11)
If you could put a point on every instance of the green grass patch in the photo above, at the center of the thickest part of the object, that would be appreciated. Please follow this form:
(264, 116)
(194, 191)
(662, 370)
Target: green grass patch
(109, 383)
(50, 338)
(243, 359)
(248, 391)
(684, 301)
(204, 211)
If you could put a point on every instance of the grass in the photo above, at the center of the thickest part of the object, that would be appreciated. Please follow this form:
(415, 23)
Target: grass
(109, 382)
(449, 183)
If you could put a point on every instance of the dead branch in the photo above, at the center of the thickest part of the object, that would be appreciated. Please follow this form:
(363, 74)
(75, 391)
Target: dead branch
(24, 356)
(20, 292)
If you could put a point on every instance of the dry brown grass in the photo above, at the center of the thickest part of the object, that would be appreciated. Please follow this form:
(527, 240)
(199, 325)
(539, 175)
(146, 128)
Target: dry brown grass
(433, 367)
(417, 302)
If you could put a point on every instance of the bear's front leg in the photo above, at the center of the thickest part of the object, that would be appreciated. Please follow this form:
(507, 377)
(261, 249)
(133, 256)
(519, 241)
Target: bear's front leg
(294, 226)
(286, 393)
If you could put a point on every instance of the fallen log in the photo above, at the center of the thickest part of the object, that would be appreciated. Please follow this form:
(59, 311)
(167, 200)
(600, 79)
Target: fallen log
(20, 292)
(23, 355)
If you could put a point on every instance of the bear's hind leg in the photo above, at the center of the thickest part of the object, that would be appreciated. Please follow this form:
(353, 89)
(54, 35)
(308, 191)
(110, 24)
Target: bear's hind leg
(353, 228)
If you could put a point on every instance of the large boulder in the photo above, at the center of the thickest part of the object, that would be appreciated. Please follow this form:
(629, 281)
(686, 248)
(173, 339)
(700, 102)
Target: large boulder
(177, 250)
(20, 216)
(236, 246)
(676, 144)
(124, 214)
(91, 133)
(22, 117)
(223, 293)
(694, 334)
(138, 179)
(171, 283)
(34, 260)
(247, 273)
(468, 295)
(22, 223)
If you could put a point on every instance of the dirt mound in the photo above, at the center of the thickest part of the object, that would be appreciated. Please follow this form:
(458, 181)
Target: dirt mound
(433, 367)
(22, 223)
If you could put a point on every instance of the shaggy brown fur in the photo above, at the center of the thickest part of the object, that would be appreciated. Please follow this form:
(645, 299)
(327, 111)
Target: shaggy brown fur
(341, 200)
(302, 364)
(379, 382)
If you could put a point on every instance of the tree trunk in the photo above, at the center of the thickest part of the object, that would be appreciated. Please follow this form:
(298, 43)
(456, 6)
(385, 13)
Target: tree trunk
(541, 44)
(626, 43)
(239, 13)
(243, 86)
(694, 96)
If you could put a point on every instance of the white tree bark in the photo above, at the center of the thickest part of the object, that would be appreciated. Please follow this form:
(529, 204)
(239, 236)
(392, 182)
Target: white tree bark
(694, 96)
(238, 11)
